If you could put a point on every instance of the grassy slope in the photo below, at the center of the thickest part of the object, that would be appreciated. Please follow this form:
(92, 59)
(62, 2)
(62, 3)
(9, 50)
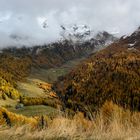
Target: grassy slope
(36, 110)
(29, 88)
(8, 102)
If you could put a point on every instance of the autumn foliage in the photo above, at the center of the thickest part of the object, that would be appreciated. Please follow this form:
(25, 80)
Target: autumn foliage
(112, 74)
(12, 70)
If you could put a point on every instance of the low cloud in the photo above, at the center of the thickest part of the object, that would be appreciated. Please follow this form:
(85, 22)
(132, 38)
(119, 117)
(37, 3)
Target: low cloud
(25, 18)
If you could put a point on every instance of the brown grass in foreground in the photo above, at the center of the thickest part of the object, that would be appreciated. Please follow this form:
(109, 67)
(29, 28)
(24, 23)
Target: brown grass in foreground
(111, 123)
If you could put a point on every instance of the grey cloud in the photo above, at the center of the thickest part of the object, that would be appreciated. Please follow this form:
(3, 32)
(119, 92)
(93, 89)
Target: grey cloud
(21, 17)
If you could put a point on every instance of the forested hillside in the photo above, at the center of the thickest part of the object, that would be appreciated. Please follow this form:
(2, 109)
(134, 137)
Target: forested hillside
(12, 70)
(112, 74)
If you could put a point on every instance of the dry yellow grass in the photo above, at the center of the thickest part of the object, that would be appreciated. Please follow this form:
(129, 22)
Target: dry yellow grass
(111, 123)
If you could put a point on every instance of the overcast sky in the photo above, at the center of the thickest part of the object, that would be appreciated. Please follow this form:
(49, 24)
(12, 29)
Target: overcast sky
(24, 18)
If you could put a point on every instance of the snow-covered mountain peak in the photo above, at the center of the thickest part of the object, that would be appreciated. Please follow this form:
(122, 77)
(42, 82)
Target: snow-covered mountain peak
(76, 33)
(81, 33)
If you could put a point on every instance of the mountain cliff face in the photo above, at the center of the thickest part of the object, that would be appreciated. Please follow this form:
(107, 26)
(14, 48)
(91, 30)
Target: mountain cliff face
(112, 74)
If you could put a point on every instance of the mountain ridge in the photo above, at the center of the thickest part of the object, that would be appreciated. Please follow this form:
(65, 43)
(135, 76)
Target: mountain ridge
(57, 53)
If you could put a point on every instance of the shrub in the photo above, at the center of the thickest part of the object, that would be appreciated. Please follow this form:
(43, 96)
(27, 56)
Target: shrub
(28, 101)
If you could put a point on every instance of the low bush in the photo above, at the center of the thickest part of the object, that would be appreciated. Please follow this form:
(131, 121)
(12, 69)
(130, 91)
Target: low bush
(28, 101)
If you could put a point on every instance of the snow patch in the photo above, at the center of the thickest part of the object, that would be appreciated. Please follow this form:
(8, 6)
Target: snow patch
(132, 44)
